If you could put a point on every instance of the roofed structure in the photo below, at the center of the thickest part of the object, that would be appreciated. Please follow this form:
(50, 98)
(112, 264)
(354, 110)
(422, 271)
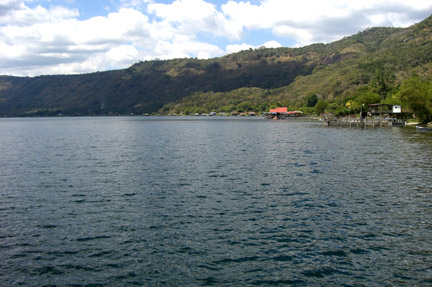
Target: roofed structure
(282, 110)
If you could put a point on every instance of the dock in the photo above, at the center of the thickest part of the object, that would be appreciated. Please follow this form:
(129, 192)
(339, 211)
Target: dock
(354, 123)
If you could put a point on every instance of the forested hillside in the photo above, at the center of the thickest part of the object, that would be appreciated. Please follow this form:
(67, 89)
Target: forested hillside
(370, 65)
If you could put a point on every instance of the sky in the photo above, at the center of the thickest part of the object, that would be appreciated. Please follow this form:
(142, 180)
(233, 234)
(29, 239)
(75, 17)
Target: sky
(46, 37)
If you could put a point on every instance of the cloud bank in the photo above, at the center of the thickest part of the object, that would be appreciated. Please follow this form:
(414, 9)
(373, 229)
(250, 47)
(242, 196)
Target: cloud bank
(48, 37)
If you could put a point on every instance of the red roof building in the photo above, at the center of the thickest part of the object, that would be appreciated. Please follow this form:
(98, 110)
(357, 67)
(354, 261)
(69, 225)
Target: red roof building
(282, 110)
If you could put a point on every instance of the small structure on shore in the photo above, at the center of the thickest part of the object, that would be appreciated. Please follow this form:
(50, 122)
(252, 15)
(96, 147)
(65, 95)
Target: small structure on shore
(278, 113)
(384, 109)
(376, 115)
(282, 113)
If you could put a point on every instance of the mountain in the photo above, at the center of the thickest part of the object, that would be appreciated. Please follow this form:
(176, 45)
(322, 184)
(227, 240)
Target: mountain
(249, 79)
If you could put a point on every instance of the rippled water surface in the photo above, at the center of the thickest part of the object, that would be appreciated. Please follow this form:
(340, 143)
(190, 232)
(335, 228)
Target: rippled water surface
(223, 202)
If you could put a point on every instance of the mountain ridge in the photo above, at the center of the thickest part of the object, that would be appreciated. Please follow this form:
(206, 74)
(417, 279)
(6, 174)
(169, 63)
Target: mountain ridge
(273, 75)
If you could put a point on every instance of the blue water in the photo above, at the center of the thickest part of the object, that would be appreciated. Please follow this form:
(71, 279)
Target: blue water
(213, 202)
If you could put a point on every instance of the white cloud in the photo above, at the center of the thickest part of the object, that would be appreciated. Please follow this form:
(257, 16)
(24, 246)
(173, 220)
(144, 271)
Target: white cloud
(122, 26)
(123, 53)
(183, 46)
(242, 47)
(56, 42)
(20, 14)
(238, 47)
(310, 21)
(193, 16)
(44, 39)
(272, 44)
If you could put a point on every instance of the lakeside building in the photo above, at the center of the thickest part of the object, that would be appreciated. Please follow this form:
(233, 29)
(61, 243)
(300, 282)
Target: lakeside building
(282, 113)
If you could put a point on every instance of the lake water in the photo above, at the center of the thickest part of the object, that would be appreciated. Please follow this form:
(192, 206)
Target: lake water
(213, 201)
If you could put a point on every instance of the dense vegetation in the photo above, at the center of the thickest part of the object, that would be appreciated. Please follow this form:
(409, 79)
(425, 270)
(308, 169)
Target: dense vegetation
(390, 65)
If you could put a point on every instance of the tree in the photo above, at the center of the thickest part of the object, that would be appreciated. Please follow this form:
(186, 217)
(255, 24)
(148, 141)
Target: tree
(320, 107)
(383, 81)
(312, 100)
(368, 98)
(244, 106)
(417, 95)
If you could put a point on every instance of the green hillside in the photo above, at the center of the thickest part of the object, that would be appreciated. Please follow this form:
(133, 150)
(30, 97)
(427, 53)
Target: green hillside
(366, 67)
(376, 61)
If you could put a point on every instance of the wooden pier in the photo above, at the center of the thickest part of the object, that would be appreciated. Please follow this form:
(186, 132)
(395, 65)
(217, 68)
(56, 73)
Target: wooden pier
(363, 123)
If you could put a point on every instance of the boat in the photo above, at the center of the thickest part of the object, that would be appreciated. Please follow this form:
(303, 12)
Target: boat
(424, 129)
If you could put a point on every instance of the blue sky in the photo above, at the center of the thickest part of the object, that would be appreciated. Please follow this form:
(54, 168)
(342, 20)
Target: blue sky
(81, 36)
